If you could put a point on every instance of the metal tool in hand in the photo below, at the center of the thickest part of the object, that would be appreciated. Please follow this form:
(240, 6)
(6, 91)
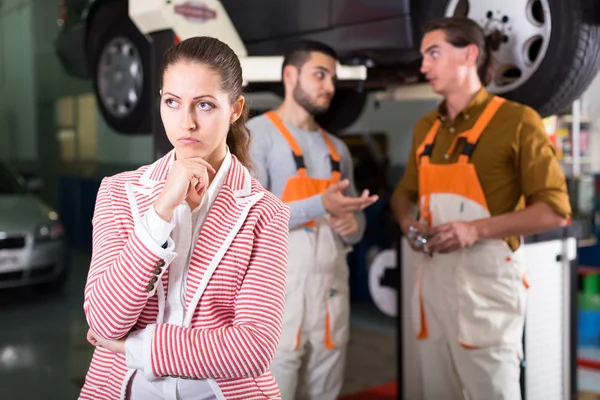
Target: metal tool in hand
(417, 238)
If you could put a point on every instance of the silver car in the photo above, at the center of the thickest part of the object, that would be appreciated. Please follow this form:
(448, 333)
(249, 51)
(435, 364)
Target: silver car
(33, 248)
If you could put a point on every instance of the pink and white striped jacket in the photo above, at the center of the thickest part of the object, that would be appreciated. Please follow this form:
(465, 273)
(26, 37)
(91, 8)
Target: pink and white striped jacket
(235, 288)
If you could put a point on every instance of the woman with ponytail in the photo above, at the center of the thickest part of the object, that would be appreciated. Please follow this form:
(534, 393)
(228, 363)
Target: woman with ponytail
(186, 287)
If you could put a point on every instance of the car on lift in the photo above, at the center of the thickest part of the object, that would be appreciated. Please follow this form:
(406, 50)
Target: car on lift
(549, 55)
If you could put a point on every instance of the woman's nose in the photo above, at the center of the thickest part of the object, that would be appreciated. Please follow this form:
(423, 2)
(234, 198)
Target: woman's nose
(188, 123)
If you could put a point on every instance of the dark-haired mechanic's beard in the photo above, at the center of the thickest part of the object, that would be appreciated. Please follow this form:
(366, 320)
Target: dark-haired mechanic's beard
(303, 99)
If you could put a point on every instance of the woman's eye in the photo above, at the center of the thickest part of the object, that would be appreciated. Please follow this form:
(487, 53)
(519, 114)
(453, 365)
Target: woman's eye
(205, 106)
(170, 102)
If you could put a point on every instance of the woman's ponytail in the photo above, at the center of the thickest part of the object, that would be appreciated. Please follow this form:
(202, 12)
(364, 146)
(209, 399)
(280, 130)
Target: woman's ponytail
(238, 139)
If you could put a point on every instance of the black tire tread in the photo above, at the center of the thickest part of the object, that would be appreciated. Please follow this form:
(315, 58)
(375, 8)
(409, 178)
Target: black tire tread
(583, 70)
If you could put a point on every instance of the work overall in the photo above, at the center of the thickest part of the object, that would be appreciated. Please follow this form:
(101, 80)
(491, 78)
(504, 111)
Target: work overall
(468, 305)
(317, 300)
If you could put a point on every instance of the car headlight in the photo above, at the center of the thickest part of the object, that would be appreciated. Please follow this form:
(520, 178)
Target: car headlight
(49, 231)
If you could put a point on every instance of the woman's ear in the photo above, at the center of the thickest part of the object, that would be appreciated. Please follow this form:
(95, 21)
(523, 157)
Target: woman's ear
(238, 108)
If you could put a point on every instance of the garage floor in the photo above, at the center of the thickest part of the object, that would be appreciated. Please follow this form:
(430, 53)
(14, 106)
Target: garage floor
(44, 354)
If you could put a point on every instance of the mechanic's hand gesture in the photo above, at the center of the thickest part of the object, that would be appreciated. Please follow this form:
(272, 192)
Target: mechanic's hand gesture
(188, 179)
(344, 225)
(336, 203)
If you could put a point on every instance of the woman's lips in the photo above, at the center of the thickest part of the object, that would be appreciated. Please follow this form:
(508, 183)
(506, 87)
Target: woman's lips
(188, 141)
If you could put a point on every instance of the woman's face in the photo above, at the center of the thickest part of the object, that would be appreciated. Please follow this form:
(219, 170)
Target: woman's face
(196, 113)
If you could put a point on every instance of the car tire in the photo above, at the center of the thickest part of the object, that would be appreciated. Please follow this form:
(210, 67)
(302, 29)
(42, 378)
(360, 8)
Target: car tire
(345, 108)
(572, 56)
(111, 28)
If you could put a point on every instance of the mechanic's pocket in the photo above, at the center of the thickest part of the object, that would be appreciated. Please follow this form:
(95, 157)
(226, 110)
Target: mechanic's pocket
(337, 316)
(491, 296)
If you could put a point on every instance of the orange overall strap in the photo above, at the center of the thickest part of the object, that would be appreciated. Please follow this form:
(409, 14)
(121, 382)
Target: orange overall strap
(423, 155)
(336, 173)
(472, 136)
(289, 138)
(423, 152)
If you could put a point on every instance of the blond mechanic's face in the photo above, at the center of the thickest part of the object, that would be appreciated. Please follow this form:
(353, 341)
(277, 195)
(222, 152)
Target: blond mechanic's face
(445, 67)
(195, 111)
(315, 83)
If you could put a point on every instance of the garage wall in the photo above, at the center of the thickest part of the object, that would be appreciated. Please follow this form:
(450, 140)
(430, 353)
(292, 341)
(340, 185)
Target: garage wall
(114, 148)
(51, 83)
(18, 127)
(397, 119)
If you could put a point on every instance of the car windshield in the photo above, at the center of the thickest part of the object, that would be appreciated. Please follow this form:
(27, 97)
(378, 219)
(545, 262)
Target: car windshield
(10, 182)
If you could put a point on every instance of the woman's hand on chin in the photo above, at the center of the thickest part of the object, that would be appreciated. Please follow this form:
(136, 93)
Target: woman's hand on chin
(190, 174)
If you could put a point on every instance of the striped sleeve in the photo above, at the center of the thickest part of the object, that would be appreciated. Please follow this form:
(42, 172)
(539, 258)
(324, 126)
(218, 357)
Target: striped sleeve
(121, 270)
(246, 347)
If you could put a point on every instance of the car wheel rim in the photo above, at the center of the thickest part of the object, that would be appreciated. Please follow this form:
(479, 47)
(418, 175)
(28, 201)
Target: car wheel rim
(120, 77)
(525, 27)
